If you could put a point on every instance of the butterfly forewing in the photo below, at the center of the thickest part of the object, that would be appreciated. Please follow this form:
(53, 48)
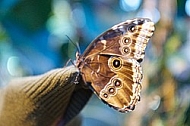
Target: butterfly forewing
(111, 63)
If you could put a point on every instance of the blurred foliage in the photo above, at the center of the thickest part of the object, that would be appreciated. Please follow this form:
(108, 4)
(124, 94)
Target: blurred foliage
(33, 40)
(29, 14)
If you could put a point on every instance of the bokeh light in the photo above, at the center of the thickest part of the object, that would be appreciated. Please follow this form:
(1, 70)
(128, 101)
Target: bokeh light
(187, 7)
(130, 5)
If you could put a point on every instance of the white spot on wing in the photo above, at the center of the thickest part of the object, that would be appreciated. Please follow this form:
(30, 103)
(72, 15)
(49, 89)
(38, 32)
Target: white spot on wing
(98, 58)
(104, 42)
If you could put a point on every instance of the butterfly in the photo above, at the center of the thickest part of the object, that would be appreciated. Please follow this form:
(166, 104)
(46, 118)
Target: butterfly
(110, 65)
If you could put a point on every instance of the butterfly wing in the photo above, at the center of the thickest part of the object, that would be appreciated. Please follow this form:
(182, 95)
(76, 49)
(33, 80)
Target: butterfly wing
(128, 38)
(111, 63)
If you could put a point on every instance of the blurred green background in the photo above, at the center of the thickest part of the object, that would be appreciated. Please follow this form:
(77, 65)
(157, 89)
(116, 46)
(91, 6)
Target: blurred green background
(33, 40)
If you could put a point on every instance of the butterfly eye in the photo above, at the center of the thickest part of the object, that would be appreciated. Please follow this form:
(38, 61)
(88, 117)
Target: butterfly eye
(116, 63)
(132, 28)
(105, 95)
(126, 40)
(126, 50)
(111, 90)
(117, 83)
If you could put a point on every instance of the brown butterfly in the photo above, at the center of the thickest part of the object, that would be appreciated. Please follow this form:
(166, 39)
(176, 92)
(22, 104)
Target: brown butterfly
(110, 65)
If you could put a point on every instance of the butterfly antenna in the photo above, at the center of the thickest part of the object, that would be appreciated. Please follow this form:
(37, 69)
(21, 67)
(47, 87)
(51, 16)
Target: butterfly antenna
(75, 44)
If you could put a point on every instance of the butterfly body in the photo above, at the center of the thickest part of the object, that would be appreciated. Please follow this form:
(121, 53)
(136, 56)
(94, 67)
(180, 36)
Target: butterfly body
(110, 65)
